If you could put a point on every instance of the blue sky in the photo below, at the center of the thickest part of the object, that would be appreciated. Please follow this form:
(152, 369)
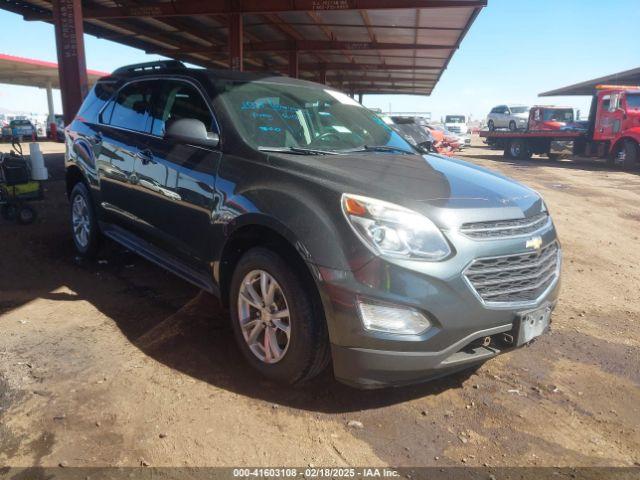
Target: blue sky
(515, 50)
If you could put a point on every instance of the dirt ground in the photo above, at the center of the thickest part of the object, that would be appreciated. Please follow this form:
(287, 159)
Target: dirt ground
(118, 363)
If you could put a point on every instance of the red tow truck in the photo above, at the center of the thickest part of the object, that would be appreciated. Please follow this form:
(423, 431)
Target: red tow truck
(612, 131)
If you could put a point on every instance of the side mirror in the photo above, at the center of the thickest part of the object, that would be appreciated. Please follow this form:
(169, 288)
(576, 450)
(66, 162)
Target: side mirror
(193, 131)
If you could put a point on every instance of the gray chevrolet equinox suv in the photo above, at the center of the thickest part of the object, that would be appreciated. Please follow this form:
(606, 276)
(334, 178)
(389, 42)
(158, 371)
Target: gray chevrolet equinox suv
(328, 237)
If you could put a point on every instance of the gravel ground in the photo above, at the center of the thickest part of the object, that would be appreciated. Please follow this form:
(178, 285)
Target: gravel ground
(118, 363)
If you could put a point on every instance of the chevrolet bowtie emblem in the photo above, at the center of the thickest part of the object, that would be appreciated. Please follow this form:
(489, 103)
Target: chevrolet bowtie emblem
(535, 243)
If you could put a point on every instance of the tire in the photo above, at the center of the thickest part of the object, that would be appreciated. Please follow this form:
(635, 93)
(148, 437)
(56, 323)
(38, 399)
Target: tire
(301, 355)
(512, 126)
(86, 244)
(627, 155)
(491, 126)
(26, 215)
(518, 149)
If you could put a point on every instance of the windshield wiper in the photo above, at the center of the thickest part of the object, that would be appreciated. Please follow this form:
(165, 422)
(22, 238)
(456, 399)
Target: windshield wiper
(381, 148)
(297, 150)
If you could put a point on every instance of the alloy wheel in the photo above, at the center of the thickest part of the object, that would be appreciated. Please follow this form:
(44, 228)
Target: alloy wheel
(81, 221)
(264, 316)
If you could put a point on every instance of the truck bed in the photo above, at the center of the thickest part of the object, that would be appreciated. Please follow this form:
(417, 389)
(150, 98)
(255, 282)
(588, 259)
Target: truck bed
(552, 134)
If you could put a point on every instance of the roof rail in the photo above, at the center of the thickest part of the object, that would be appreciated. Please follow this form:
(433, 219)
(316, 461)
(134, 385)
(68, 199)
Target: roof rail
(150, 66)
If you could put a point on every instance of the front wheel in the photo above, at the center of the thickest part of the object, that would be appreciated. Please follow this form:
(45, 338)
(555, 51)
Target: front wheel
(84, 225)
(627, 155)
(275, 324)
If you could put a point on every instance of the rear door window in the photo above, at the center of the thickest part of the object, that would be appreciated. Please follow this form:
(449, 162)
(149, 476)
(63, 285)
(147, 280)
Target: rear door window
(178, 100)
(130, 109)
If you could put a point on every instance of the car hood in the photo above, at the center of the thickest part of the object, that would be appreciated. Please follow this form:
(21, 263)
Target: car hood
(448, 191)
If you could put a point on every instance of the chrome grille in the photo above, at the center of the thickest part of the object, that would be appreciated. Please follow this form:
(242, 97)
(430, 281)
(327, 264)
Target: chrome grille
(454, 129)
(506, 228)
(514, 278)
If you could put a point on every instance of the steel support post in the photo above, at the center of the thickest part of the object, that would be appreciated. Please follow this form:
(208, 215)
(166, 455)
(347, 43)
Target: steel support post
(72, 66)
(236, 53)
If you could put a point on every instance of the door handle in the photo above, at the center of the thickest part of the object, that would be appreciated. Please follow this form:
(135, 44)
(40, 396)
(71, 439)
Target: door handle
(145, 156)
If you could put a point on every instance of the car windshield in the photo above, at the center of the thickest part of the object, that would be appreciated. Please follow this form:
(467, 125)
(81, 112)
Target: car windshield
(20, 123)
(272, 115)
(633, 101)
(558, 115)
(454, 119)
(519, 109)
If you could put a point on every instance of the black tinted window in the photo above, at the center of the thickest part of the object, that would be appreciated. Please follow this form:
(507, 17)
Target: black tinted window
(180, 100)
(94, 102)
(131, 107)
(633, 101)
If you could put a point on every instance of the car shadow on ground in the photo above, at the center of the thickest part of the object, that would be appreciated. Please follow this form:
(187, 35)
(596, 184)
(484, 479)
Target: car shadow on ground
(166, 318)
(195, 338)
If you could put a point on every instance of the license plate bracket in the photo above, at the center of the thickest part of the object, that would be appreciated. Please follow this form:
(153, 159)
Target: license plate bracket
(533, 323)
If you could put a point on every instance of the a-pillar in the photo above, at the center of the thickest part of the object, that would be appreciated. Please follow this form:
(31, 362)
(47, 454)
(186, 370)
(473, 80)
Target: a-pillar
(72, 66)
(236, 53)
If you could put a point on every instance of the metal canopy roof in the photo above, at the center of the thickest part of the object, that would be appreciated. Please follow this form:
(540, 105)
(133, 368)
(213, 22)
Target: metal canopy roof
(628, 77)
(364, 46)
(34, 73)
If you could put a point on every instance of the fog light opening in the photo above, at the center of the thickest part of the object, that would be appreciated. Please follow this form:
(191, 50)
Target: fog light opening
(393, 319)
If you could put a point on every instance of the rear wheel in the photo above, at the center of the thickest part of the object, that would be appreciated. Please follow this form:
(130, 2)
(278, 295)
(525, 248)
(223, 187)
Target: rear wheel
(84, 225)
(276, 326)
(626, 155)
(518, 149)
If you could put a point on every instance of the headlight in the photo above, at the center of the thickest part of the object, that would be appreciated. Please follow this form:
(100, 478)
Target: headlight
(394, 231)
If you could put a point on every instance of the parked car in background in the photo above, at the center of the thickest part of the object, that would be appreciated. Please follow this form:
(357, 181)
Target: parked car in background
(416, 135)
(513, 117)
(459, 141)
(440, 143)
(20, 129)
(545, 117)
(59, 120)
(324, 233)
(456, 124)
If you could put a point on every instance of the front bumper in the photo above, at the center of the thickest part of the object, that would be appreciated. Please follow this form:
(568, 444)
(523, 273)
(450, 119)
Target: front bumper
(460, 321)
